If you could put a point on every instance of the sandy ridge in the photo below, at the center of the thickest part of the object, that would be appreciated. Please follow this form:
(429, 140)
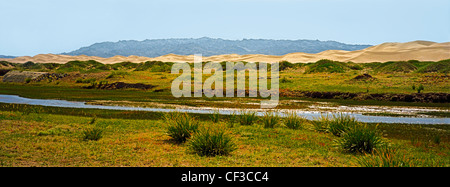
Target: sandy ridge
(416, 50)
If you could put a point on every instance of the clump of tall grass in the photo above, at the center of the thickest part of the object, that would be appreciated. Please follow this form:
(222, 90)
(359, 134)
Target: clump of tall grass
(181, 126)
(92, 133)
(340, 124)
(293, 121)
(215, 117)
(231, 120)
(320, 124)
(247, 118)
(212, 142)
(270, 119)
(360, 139)
(385, 157)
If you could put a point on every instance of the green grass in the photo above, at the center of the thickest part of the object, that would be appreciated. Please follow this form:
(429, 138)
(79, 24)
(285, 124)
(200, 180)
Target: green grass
(144, 142)
(293, 121)
(397, 66)
(247, 118)
(360, 139)
(442, 66)
(212, 142)
(270, 119)
(181, 127)
(385, 157)
(437, 114)
(92, 133)
(340, 124)
(50, 136)
(328, 66)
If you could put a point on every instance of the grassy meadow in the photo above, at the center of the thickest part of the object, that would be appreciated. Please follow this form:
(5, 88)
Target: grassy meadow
(51, 136)
(42, 136)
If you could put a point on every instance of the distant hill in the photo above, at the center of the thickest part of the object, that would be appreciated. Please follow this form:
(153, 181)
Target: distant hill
(210, 47)
(4, 56)
(415, 50)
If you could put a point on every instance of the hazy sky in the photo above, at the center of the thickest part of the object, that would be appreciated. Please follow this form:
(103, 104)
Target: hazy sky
(30, 27)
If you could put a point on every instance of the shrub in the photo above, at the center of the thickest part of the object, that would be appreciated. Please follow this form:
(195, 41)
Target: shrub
(270, 119)
(209, 142)
(92, 133)
(340, 124)
(247, 118)
(181, 127)
(420, 88)
(91, 80)
(360, 139)
(293, 121)
(117, 74)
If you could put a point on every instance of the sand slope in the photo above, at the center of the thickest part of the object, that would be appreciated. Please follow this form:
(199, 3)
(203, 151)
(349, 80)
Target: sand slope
(416, 50)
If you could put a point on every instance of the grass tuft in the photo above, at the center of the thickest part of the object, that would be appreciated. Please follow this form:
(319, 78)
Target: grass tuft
(293, 121)
(92, 133)
(320, 124)
(385, 157)
(360, 139)
(208, 142)
(247, 118)
(181, 126)
(341, 123)
(270, 119)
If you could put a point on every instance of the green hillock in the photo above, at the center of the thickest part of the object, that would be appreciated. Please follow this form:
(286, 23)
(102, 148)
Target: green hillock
(442, 66)
(329, 66)
(396, 67)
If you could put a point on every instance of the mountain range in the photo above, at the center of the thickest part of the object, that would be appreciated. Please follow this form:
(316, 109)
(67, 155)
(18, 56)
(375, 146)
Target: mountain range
(391, 51)
(209, 47)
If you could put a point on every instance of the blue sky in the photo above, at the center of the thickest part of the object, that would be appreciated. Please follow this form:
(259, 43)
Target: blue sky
(30, 27)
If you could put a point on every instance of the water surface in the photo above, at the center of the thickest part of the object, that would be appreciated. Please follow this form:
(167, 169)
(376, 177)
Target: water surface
(14, 99)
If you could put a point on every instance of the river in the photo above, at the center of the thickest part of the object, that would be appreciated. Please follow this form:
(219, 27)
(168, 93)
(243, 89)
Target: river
(308, 114)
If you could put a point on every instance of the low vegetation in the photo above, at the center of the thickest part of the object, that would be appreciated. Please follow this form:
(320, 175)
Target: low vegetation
(212, 142)
(48, 136)
(181, 126)
(294, 121)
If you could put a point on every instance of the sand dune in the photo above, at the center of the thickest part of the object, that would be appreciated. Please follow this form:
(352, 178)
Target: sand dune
(416, 50)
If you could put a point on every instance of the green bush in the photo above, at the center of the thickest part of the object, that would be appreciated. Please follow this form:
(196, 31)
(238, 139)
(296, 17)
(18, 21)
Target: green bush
(360, 139)
(420, 88)
(247, 118)
(181, 127)
(91, 80)
(270, 119)
(117, 74)
(208, 142)
(293, 121)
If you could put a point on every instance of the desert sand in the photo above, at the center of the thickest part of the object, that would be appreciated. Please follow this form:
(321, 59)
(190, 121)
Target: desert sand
(416, 50)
